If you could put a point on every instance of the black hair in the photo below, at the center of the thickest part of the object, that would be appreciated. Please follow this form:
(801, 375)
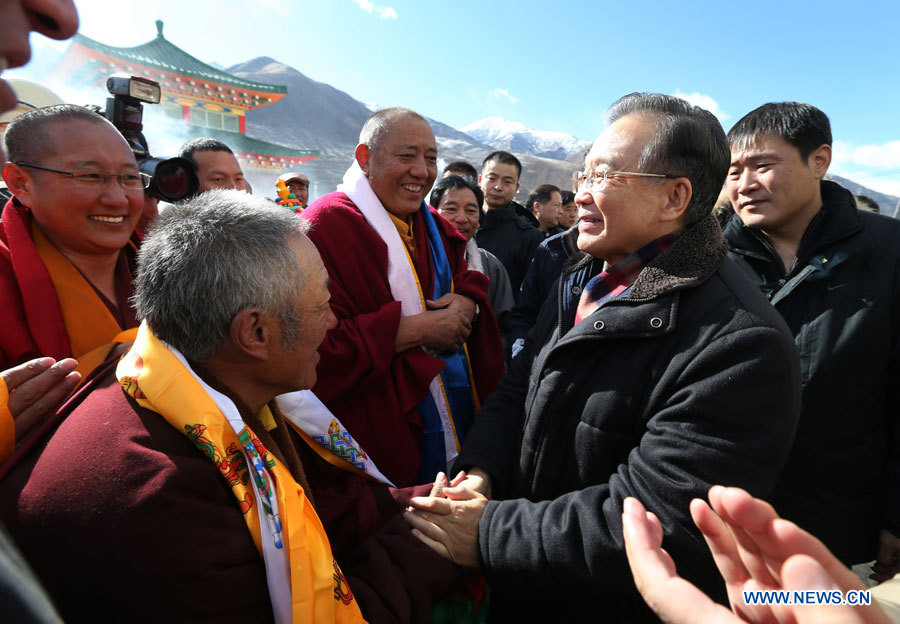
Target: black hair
(202, 144)
(541, 195)
(503, 157)
(802, 125)
(688, 142)
(454, 182)
(462, 168)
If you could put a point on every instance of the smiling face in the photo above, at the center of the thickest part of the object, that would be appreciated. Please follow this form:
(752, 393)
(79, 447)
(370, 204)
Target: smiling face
(624, 215)
(56, 19)
(301, 358)
(460, 207)
(82, 220)
(772, 188)
(402, 167)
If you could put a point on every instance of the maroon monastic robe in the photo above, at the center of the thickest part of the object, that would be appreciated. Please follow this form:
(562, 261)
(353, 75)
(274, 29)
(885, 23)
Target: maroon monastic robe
(372, 390)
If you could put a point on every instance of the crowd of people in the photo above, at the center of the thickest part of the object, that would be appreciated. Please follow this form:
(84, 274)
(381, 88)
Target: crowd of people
(421, 401)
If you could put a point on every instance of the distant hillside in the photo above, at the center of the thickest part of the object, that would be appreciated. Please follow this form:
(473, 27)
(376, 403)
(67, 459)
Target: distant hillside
(315, 115)
(514, 137)
(887, 203)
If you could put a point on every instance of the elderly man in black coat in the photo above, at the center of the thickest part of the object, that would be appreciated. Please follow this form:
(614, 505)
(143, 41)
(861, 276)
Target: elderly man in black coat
(657, 371)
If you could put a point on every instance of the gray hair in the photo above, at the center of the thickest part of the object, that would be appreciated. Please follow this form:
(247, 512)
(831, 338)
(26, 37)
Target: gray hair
(378, 124)
(210, 257)
(688, 142)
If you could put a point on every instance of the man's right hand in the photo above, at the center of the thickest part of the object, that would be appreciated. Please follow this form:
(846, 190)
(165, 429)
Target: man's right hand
(36, 388)
(443, 330)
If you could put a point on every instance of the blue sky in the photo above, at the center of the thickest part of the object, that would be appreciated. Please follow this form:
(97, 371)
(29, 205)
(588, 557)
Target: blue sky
(558, 65)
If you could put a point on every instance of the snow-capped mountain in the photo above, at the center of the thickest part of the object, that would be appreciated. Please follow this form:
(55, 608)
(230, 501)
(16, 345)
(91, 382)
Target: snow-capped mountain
(515, 137)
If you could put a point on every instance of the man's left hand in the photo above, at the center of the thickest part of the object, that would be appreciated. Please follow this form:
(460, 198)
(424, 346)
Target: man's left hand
(454, 301)
(449, 525)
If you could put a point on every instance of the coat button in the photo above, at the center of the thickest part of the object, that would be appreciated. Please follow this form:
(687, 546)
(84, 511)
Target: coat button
(576, 290)
(598, 325)
(656, 322)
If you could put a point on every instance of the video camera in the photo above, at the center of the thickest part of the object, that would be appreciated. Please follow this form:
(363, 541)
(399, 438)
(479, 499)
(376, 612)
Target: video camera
(173, 179)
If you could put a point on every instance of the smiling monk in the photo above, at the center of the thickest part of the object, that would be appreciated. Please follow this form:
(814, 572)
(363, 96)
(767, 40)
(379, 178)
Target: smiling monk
(398, 369)
(67, 239)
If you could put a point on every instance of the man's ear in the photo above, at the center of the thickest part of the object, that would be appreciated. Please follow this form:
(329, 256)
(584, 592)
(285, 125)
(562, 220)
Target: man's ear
(677, 199)
(535, 208)
(19, 183)
(251, 333)
(362, 157)
(819, 160)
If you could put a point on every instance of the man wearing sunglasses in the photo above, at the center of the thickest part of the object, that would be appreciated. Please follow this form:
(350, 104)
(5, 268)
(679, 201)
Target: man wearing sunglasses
(68, 237)
(656, 370)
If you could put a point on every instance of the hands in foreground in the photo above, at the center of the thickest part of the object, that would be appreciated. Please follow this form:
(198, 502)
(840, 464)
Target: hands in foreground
(36, 388)
(754, 550)
(450, 525)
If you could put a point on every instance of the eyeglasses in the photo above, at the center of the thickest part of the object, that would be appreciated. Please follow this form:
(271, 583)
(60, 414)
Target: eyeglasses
(599, 177)
(94, 177)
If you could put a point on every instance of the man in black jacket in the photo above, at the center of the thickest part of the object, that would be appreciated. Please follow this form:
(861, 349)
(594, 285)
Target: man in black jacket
(660, 371)
(508, 230)
(833, 273)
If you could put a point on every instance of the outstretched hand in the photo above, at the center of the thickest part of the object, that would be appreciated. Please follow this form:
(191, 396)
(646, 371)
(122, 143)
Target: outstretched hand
(754, 549)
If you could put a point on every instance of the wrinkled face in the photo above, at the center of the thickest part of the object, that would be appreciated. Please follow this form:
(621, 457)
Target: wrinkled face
(499, 181)
(300, 189)
(549, 214)
(56, 19)
(460, 207)
(569, 215)
(300, 359)
(83, 220)
(219, 170)
(403, 167)
(770, 186)
(621, 217)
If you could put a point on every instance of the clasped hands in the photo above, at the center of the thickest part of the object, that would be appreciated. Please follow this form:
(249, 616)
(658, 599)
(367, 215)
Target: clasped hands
(447, 519)
(444, 326)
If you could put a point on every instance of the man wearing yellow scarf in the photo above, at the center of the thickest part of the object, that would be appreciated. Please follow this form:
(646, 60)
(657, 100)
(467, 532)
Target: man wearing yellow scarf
(176, 488)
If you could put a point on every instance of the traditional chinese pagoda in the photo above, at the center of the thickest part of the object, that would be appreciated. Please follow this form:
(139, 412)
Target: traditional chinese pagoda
(209, 101)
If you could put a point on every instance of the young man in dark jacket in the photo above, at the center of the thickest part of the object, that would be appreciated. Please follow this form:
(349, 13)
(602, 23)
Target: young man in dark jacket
(660, 371)
(508, 230)
(833, 273)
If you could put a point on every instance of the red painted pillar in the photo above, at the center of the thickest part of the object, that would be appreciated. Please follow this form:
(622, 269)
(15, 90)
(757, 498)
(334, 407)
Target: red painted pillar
(242, 124)
(186, 114)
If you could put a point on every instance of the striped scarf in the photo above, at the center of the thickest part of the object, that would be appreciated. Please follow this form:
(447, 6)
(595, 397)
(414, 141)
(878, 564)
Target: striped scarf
(615, 279)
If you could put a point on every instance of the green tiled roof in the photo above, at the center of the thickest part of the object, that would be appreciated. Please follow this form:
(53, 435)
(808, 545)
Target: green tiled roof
(242, 143)
(162, 54)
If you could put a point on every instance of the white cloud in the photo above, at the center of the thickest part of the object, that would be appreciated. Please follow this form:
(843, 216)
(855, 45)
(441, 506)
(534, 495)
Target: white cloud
(703, 101)
(874, 166)
(505, 94)
(383, 12)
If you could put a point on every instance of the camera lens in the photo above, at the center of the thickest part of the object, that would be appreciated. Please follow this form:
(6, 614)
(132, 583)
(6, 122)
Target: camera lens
(172, 179)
